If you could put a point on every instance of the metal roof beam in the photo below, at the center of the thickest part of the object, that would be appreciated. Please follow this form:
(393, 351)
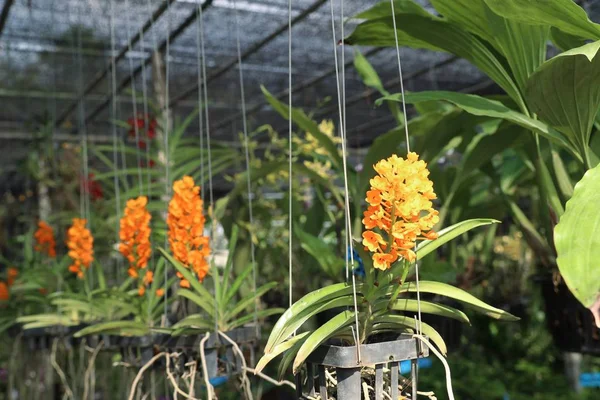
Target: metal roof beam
(253, 49)
(102, 74)
(125, 82)
(4, 14)
(295, 89)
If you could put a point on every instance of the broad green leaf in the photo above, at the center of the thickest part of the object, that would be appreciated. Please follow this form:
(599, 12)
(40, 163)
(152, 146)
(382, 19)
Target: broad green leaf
(565, 92)
(305, 123)
(237, 283)
(449, 233)
(331, 263)
(121, 328)
(384, 9)
(478, 105)
(318, 296)
(565, 15)
(469, 14)
(442, 35)
(577, 240)
(322, 334)
(279, 349)
(565, 41)
(380, 32)
(523, 45)
(410, 305)
(288, 357)
(409, 322)
(455, 293)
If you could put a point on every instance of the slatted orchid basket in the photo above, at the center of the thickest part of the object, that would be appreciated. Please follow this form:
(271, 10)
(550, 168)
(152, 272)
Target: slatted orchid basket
(335, 372)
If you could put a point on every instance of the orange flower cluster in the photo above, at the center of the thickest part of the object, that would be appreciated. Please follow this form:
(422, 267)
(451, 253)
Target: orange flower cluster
(134, 234)
(11, 275)
(4, 294)
(81, 246)
(186, 229)
(44, 237)
(400, 208)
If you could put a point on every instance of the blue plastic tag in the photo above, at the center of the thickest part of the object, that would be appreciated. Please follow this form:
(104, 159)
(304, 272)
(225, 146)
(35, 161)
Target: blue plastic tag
(590, 380)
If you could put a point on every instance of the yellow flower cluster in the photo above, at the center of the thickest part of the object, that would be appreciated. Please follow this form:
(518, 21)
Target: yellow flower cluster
(186, 229)
(134, 234)
(400, 209)
(81, 246)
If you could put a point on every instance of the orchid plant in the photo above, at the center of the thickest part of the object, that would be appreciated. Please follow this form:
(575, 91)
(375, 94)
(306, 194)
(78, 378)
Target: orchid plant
(400, 212)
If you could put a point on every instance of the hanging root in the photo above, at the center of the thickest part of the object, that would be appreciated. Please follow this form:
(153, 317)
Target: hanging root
(245, 380)
(269, 379)
(141, 372)
(59, 371)
(209, 387)
(90, 375)
(177, 389)
(443, 360)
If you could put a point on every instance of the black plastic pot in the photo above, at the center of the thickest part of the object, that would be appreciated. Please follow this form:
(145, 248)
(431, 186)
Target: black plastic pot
(571, 324)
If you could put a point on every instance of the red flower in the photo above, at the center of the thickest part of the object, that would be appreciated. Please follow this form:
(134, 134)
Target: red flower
(93, 187)
(139, 124)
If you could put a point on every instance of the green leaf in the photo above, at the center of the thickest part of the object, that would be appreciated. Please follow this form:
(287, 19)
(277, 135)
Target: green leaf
(565, 41)
(320, 335)
(478, 105)
(410, 305)
(449, 233)
(330, 262)
(562, 176)
(121, 328)
(444, 36)
(469, 14)
(207, 298)
(395, 321)
(305, 123)
(367, 73)
(207, 305)
(565, 92)
(455, 293)
(577, 240)
(562, 14)
(313, 298)
(195, 321)
(250, 317)
(297, 320)
(247, 301)
(523, 45)
(279, 349)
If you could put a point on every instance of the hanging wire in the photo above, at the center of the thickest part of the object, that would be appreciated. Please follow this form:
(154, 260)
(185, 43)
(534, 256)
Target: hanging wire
(134, 99)
(167, 128)
(350, 246)
(420, 324)
(247, 155)
(113, 89)
(209, 153)
(200, 102)
(290, 159)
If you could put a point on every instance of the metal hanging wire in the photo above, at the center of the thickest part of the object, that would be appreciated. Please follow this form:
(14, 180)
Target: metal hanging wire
(134, 99)
(290, 161)
(247, 157)
(419, 327)
(347, 215)
(113, 88)
(166, 129)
